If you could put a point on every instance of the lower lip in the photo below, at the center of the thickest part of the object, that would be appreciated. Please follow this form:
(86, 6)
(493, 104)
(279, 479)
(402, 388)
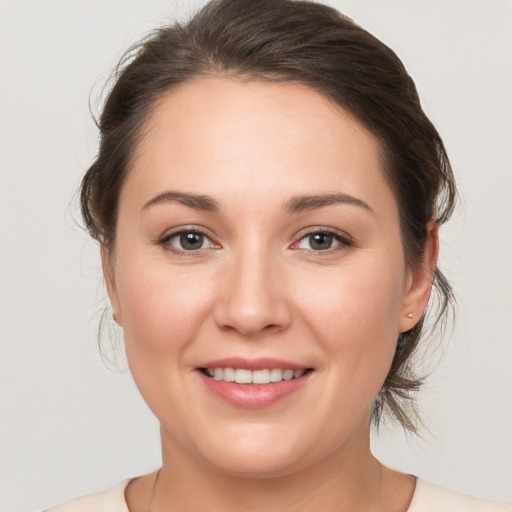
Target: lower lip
(253, 396)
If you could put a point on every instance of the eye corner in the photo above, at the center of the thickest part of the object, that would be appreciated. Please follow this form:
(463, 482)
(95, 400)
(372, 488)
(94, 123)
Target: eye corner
(332, 240)
(187, 241)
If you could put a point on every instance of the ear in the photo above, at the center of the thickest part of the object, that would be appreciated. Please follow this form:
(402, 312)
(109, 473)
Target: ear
(110, 282)
(419, 281)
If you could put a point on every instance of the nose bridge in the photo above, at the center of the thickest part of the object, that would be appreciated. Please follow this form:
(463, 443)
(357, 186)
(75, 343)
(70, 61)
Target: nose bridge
(253, 297)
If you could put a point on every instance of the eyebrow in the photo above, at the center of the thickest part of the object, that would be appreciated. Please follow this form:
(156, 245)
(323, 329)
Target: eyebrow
(194, 201)
(294, 205)
(312, 202)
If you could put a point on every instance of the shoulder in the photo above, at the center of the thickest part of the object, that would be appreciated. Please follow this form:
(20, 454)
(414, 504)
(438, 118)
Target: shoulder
(107, 501)
(434, 498)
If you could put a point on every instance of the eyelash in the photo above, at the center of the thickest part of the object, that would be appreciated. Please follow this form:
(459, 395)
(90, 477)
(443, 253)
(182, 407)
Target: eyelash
(344, 241)
(166, 241)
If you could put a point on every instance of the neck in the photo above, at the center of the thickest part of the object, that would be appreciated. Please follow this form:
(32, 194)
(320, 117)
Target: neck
(349, 478)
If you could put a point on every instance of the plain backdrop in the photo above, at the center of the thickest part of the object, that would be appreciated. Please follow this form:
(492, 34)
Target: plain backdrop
(69, 425)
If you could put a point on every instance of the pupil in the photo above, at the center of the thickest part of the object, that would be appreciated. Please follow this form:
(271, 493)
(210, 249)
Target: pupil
(320, 241)
(191, 241)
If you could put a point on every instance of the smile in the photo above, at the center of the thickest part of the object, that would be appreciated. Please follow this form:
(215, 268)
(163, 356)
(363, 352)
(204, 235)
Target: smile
(245, 376)
(253, 383)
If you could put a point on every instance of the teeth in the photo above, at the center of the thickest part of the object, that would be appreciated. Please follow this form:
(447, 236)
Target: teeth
(264, 376)
(287, 374)
(261, 377)
(276, 375)
(242, 376)
(228, 375)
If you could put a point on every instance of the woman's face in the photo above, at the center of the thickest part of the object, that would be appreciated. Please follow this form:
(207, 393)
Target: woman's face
(257, 235)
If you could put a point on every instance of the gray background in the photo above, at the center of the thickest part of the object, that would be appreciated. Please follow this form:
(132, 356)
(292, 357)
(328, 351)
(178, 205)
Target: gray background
(68, 424)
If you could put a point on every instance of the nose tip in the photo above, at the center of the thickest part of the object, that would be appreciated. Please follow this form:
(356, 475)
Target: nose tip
(251, 321)
(252, 304)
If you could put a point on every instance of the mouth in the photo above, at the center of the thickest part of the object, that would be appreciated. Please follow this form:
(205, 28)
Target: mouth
(259, 377)
(253, 384)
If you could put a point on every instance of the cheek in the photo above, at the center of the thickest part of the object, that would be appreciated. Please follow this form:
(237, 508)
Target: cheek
(355, 315)
(162, 309)
(163, 312)
(357, 299)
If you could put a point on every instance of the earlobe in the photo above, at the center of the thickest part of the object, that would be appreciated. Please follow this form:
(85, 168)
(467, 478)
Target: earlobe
(110, 283)
(419, 281)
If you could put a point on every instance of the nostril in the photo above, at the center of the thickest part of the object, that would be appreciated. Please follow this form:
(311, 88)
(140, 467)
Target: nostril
(251, 331)
(251, 310)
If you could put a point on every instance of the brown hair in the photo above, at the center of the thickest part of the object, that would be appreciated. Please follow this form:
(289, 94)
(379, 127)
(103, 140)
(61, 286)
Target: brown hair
(313, 45)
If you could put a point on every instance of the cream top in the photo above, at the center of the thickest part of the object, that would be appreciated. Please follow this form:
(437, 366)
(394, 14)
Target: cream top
(427, 498)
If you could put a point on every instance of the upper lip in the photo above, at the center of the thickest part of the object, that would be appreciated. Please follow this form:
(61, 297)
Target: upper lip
(259, 363)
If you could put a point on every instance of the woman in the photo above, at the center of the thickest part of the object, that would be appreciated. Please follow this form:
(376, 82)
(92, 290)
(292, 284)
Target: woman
(267, 197)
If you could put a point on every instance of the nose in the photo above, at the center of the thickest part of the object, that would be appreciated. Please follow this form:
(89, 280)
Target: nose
(252, 297)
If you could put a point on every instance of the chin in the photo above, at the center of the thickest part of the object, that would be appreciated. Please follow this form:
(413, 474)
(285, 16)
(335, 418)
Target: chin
(264, 466)
(257, 454)
(249, 455)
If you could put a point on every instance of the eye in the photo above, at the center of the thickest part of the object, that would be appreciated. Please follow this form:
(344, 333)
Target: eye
(187, 241)
(322, 241)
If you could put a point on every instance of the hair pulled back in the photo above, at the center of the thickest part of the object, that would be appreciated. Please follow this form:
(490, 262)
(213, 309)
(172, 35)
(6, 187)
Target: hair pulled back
(309, 44)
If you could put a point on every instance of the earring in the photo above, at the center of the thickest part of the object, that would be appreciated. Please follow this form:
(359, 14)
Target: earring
(410, 315)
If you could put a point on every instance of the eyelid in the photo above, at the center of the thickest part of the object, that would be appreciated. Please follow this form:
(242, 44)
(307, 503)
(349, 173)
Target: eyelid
(344, 238)
(179, 230)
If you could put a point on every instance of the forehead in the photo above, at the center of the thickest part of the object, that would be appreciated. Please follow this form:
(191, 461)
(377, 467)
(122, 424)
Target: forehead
(227, 138)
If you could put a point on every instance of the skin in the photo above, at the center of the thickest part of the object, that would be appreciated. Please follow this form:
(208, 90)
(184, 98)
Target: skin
(257, 288)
